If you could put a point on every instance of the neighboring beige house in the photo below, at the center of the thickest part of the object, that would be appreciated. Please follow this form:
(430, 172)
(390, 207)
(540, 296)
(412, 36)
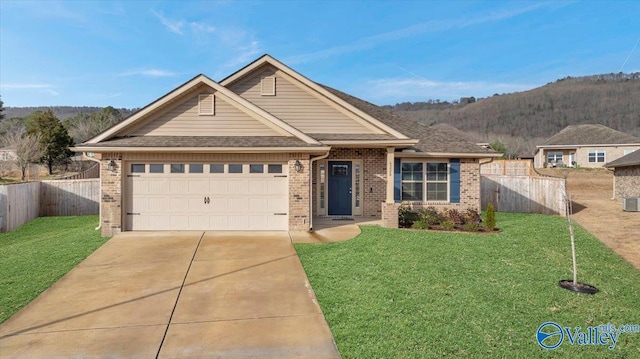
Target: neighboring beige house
(586, 145)
(269, 149)
(626, 175)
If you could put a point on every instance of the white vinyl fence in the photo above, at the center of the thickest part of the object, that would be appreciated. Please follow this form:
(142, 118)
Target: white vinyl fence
(21, 203)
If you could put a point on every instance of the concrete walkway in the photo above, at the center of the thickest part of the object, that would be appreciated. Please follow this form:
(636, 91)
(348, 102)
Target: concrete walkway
(177, 295)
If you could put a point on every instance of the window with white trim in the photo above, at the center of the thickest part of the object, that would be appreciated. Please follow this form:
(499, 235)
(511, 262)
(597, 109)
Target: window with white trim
(554, 157)
(596, 156)
(425, 181)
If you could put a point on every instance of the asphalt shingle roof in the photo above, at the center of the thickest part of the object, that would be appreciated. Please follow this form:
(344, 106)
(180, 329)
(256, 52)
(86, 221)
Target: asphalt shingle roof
(432, 139)
(631, 159)
(590, 134)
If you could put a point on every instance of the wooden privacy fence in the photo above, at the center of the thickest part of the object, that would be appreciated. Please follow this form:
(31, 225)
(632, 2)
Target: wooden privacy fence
(526, 194)
(21, 203)
(508, 168)
(91, 172)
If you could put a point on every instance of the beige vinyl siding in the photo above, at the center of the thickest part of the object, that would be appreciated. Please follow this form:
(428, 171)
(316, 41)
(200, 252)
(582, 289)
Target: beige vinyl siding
(295, 106)
(183, 119)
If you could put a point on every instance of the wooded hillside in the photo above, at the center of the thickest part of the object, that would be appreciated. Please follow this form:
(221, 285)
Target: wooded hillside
(612, 100)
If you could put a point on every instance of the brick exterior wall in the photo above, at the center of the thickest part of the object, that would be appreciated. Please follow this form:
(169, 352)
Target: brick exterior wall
(627, 181)
(373, 177)
(469, 195)
(299, 192)
(111, 194)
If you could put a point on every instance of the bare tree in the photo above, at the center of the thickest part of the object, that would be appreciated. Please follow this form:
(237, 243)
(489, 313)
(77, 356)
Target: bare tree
(27, 148)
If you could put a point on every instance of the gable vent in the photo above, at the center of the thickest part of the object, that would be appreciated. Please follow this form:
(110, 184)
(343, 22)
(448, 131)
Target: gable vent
(268, 86)
(206, 104)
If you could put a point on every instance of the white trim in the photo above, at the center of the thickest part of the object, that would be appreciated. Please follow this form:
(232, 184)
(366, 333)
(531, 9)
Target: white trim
(204, 111)
(424, 181)
(445, 154)
(98, 149)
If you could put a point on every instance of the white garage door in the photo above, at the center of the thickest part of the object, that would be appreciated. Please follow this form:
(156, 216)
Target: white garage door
(206, 196)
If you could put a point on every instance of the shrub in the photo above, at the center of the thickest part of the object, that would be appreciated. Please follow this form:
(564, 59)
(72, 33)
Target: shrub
(406, 216)
(420, 224)
(431, 216)
(454, 216)
(490, 218)
(448, 225)
(471, 227)
(471, 216)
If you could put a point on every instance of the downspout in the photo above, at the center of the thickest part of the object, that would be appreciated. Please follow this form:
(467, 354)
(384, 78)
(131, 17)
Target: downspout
(99, 189)
(311, 187)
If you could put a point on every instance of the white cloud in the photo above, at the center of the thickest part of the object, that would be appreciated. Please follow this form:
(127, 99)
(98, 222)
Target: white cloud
(178, 26)
(244, 53)
(25, 86)
(386, 91)
(174, 26)
(149, 73)
(413, 30)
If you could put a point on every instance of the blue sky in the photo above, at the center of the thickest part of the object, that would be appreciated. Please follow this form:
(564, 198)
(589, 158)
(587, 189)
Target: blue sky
(129, 53)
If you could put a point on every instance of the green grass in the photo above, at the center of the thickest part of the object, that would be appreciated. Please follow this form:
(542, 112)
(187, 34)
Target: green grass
(408, 294)
(37, 254)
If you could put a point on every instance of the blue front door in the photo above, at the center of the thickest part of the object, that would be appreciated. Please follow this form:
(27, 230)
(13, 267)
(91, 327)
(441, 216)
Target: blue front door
(339, 182)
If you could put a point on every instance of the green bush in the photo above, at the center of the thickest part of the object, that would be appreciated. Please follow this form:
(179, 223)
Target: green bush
(406, 216)
(420, 224)
(490, 218)
(471, 227)
(431, 216)
(448, 225)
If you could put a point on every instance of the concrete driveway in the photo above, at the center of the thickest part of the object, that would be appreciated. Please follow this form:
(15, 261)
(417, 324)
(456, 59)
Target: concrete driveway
(177, 295)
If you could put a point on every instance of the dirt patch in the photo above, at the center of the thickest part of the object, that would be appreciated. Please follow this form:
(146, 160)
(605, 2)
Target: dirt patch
(591, 191)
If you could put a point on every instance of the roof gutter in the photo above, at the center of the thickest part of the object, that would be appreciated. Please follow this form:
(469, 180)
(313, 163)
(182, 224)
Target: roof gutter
(448, 154)
(311, 187)
(102, 149)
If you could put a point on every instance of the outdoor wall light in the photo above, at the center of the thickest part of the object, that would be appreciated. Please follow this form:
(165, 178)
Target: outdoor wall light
(298, 166)
(112, 165)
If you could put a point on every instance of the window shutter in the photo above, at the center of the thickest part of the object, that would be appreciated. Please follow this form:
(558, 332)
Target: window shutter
(454, 175)
(268, 86)
(397, 180)
(206, 104)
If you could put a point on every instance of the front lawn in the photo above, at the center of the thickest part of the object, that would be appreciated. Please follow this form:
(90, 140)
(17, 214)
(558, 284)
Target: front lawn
(37, 254)
(409, 294)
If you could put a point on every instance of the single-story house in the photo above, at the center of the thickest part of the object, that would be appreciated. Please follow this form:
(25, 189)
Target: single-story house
(626, 175)
(589, 145)
(268, 149)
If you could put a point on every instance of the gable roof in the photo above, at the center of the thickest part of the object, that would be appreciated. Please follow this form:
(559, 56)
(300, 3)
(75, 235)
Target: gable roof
(254, 111)
(319, 89)
(589, 134)
(432, 140)
(631, 159)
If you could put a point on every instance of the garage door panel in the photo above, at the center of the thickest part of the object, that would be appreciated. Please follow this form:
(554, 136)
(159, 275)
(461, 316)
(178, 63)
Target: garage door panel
(207, 201)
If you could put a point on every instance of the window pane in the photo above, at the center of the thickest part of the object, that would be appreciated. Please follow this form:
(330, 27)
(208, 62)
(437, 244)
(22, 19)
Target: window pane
(436, 171)
(412, 191)
(357, 175)
(436, 191)
(216, 168)
(339, 170)
(275, 169)
(196, 168)
(177, 168)
(137, 168)
(411, 171)
(156, 168)
(254, 168)
(322, 177)
(235, 168)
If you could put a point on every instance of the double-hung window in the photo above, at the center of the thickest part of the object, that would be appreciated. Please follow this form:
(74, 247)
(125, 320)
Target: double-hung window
(596, 156)
(554, 157)
(425, 181)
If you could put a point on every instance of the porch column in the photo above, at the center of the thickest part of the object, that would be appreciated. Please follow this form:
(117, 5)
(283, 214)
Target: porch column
(390, 170)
